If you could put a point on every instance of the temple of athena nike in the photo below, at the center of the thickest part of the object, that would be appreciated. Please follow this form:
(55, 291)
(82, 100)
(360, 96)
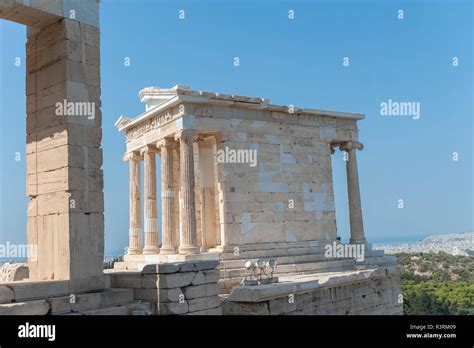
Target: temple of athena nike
(241, 178)
(212, 204)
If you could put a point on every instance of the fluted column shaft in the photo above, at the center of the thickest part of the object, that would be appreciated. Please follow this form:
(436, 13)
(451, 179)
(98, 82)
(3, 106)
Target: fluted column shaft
(135, 230)
(353, 190)
(188, 238)
(167, 197)
(151, 216)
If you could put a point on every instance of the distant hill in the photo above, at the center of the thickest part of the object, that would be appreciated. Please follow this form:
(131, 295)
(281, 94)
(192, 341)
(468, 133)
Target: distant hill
(437, 283)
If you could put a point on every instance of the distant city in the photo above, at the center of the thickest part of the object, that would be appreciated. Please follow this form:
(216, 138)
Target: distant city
(452, 243)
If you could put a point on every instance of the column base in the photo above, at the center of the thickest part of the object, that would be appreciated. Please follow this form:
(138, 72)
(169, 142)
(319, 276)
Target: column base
(151, 250)
(134, 251)
(168, 250)
(189, 250)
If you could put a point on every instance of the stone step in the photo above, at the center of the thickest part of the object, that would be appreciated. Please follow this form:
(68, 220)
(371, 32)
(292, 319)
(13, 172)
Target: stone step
(281, 260)
(35, 307)
(26, 290)
(295, 268)
(124, 266)
(272, 253)
(92, 300)
(123, 309)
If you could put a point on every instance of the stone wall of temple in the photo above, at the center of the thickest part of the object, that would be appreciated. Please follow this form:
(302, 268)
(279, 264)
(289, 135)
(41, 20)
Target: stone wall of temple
(287, 194)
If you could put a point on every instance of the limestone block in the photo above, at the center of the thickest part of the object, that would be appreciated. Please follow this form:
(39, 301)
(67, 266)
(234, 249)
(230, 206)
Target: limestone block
(159, 295)
(78, 156)
(170, 295)
(245, 308)
(150, 281)
(39, 307)
(116, 297)
(213, 311)
(126, 280)
(42, 126)
(281, 306)
(162, 268)
(200, 304)
(30, 83)
(48, 97)
(92, 55)
(73, 302)
(92, 34)
(146, 294)
(85, 234)
(51, 159)
(6, 294)
(198, 291)
(174, 280)
(56, 51)
(122, 310)
(92, 75)
(47, 232)
(91, 177)
(198, 265)
(52, 181)
(31, 105)
(51, 75)
(75, 71)
(29, 290)
(82, 283)
(206, 276)
(172, 308)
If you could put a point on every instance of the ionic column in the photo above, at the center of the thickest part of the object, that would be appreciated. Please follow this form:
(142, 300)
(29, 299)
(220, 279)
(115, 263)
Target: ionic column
(151, 221)
(135, 231)
(167, 197)
(355, 208)
(188, 243)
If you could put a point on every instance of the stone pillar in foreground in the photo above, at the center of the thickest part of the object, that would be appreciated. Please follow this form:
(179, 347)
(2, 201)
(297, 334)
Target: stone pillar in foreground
(136, 229)
(63, 151)
(151, 215)
(167, 197)
(353, 190)
(188, 240)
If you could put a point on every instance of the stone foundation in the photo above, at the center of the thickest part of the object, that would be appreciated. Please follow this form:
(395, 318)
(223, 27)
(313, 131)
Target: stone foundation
(365, 292)
(184, 288)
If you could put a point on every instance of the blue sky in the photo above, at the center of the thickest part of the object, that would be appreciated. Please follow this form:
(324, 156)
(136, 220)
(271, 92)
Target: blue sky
(295, 62)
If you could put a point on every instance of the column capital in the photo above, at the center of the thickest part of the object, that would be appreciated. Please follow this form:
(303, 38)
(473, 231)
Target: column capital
(186, 134)
(351, 145)
(166, 142)
(135, 155)
(148, 149)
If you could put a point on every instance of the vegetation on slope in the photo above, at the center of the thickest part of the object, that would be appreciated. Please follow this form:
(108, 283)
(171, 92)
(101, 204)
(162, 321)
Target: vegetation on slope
(437, 283)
